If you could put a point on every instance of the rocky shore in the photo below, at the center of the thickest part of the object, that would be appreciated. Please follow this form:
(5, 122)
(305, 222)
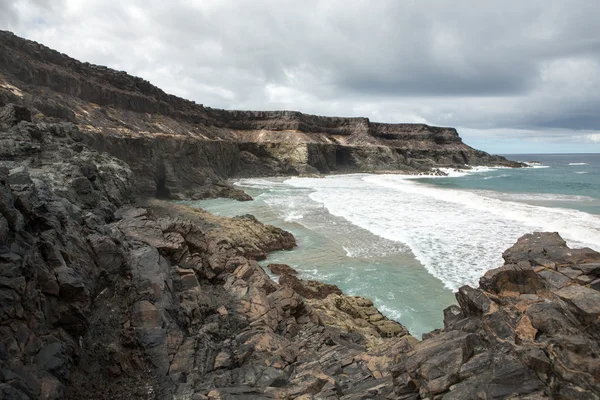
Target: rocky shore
(179, 149)
(108, 291)
(103, 297)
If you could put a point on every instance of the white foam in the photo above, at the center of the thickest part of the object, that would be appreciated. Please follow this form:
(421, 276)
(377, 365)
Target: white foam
(293, 204)
(581, 172)
(549, 197)
(391, 313)
(578, 163)
(455, 173)
(496, 176)
(260, 183)
(293, 216)
(457, 235)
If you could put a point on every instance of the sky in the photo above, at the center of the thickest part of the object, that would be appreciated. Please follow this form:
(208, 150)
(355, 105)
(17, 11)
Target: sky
(511, 76)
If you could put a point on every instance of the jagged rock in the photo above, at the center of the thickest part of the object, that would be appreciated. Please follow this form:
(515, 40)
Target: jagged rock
(307, 288)
(586, 301)
(520, 278)
(505, 341)
(101, 300)
(281, 269)
(13, 114)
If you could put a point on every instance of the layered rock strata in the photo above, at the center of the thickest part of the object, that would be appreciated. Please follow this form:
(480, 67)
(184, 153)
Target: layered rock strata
(179, 149)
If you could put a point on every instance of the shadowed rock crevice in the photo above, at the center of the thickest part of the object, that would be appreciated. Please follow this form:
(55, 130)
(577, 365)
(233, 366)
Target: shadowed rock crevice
(162, 192)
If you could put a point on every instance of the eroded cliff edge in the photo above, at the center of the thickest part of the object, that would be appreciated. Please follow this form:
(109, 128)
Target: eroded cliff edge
(180, 149)
(102, 298)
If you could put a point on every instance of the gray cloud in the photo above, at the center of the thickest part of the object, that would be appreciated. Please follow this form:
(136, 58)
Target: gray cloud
(480, 65)
(7, 14)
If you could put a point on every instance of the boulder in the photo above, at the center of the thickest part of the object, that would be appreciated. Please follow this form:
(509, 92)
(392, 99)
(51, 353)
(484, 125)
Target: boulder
(281, 269)
(307, 288)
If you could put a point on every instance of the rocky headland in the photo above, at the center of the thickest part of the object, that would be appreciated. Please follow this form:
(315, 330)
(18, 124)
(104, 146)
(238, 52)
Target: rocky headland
(107, 291)
(179, 149)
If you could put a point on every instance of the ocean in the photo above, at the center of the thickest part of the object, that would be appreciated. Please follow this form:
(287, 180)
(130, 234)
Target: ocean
(409, 242)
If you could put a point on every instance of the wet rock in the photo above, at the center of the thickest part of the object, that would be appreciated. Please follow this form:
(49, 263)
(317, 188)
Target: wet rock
(307, 288)
(281, 269)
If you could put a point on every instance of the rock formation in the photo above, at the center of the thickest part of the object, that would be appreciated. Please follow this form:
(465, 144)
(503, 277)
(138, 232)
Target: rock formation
(103, 299)
(108, 294)
(179, 149)
(530, 331)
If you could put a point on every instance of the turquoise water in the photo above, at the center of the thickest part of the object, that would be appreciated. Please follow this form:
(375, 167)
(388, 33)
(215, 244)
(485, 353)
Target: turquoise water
(332, 250)
(560, 180)
(408, 242)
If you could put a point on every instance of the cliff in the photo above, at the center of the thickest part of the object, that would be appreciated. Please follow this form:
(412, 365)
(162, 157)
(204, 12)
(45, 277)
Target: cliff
(102, 298)
(179, 149)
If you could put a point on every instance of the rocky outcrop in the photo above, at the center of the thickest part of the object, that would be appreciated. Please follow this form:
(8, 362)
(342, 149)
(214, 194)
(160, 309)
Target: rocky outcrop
(179, 149)
(106, 295)
(530, 331)
(105, 299)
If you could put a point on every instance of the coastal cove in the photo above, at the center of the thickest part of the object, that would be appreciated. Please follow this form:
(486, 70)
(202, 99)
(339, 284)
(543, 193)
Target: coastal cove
(137, 229)
(408, 242)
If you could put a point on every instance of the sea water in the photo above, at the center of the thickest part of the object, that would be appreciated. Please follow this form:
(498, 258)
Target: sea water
(409, 242)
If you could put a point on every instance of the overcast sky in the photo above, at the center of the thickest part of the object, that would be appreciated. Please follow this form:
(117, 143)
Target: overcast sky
(512, 76)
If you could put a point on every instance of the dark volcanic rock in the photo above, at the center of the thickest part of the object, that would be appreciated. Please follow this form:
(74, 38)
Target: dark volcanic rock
(178, 149)
(103, 299)
(529, 331)
(308, 289)
(281, 269)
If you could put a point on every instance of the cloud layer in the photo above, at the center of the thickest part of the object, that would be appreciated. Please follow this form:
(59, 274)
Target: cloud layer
(528, 69)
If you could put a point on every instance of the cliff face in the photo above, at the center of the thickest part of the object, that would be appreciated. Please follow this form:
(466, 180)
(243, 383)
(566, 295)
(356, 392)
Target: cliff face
(180, 149)
(101, 298)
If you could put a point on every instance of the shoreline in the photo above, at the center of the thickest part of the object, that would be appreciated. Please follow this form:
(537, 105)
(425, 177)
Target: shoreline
(167, 301)
(323, 256)
(108, 292)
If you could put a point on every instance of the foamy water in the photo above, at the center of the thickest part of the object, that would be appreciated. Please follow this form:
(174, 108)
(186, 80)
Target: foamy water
(457, 235)
(407, 242)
